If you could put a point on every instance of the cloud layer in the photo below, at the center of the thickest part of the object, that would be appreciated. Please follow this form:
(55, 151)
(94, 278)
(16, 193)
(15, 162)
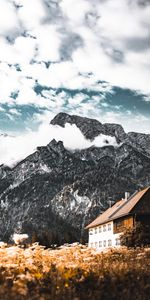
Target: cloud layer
(73, 45)
(109, 39)
(13, 149)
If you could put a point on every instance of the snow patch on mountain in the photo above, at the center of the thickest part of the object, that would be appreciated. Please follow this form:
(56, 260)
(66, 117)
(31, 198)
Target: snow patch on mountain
(44, 169)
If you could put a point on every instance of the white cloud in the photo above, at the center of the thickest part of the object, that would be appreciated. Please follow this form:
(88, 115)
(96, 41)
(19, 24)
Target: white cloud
(59, 75)
(9, 83)
(77, 99)
(107, 39)
(24, 48)
(2, 109)
(14, 111)
(108, 49)
(146, 98)
(8, 18)
(10, 116)
(141, 122)
(75, 10)
(22, 146)
(31, 13)
(104, 140)
(48, 42)
(21, 52)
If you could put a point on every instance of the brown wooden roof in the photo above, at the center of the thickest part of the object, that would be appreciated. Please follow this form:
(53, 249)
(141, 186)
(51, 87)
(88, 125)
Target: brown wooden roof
(119, 209)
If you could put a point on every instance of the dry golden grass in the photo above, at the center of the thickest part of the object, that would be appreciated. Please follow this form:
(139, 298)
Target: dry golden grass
(73, 273)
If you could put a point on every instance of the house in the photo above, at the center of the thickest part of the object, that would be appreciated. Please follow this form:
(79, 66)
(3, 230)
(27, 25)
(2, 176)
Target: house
(105, 230)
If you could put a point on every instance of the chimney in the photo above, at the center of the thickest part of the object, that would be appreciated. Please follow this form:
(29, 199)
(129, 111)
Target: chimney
(110, 202)
(127, 195)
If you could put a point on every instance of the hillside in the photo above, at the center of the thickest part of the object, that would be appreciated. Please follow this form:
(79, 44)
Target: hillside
(54, 192)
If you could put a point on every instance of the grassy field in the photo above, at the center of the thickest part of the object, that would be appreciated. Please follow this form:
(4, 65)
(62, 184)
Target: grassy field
(73, 273)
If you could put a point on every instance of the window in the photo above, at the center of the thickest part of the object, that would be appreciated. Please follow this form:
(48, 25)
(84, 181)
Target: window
(96, 230)
(100, 229)
(104, 227)
(109, 227)
(109, 243)
(91, 244)
(96, 244)
(91, 231)
(117, 242)
(104, 243)
(100, 244)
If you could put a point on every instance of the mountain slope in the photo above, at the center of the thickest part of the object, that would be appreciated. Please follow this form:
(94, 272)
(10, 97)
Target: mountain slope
(53, 193)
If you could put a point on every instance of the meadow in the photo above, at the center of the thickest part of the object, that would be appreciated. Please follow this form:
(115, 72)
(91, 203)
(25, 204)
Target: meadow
(73, 272)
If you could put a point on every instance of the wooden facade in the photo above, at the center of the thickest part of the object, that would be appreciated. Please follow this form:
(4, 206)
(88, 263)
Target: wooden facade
(119, 225)
(139, 214)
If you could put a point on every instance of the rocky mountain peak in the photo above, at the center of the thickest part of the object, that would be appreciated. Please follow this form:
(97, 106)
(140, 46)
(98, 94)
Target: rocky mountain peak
(56, 145)
(90, 128)
(53, 193)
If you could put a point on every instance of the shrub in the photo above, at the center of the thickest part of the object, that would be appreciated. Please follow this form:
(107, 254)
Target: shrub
(75, 272)
(138, 236)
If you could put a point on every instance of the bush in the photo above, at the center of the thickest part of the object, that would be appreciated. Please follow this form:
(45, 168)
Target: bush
(138, 236)
(75, 272)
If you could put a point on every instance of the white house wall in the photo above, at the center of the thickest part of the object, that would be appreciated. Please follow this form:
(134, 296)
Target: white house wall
(102, 237)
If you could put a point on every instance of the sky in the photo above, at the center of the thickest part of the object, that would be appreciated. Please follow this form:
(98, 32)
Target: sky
(90, 58)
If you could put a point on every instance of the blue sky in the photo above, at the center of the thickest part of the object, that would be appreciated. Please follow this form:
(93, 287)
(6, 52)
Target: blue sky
(90, 58)
(114, 106)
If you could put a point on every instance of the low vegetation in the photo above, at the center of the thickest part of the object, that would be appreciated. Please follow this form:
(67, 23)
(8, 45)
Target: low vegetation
(138, 236)
(73, 272)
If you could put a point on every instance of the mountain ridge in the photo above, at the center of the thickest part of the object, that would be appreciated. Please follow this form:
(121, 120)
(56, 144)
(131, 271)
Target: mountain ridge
(53, 193)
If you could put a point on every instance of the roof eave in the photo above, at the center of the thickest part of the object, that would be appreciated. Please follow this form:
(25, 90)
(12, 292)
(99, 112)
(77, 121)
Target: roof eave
(109, 220)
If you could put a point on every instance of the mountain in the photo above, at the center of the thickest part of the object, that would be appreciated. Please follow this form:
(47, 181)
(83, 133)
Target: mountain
(53, 193)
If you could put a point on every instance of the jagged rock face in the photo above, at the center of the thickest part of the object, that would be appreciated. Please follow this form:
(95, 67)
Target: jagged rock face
(55, 192)
(90, 127)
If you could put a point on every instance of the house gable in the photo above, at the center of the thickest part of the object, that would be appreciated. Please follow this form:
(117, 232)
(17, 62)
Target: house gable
(128, 206)
(143, 206)
(124, 207)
